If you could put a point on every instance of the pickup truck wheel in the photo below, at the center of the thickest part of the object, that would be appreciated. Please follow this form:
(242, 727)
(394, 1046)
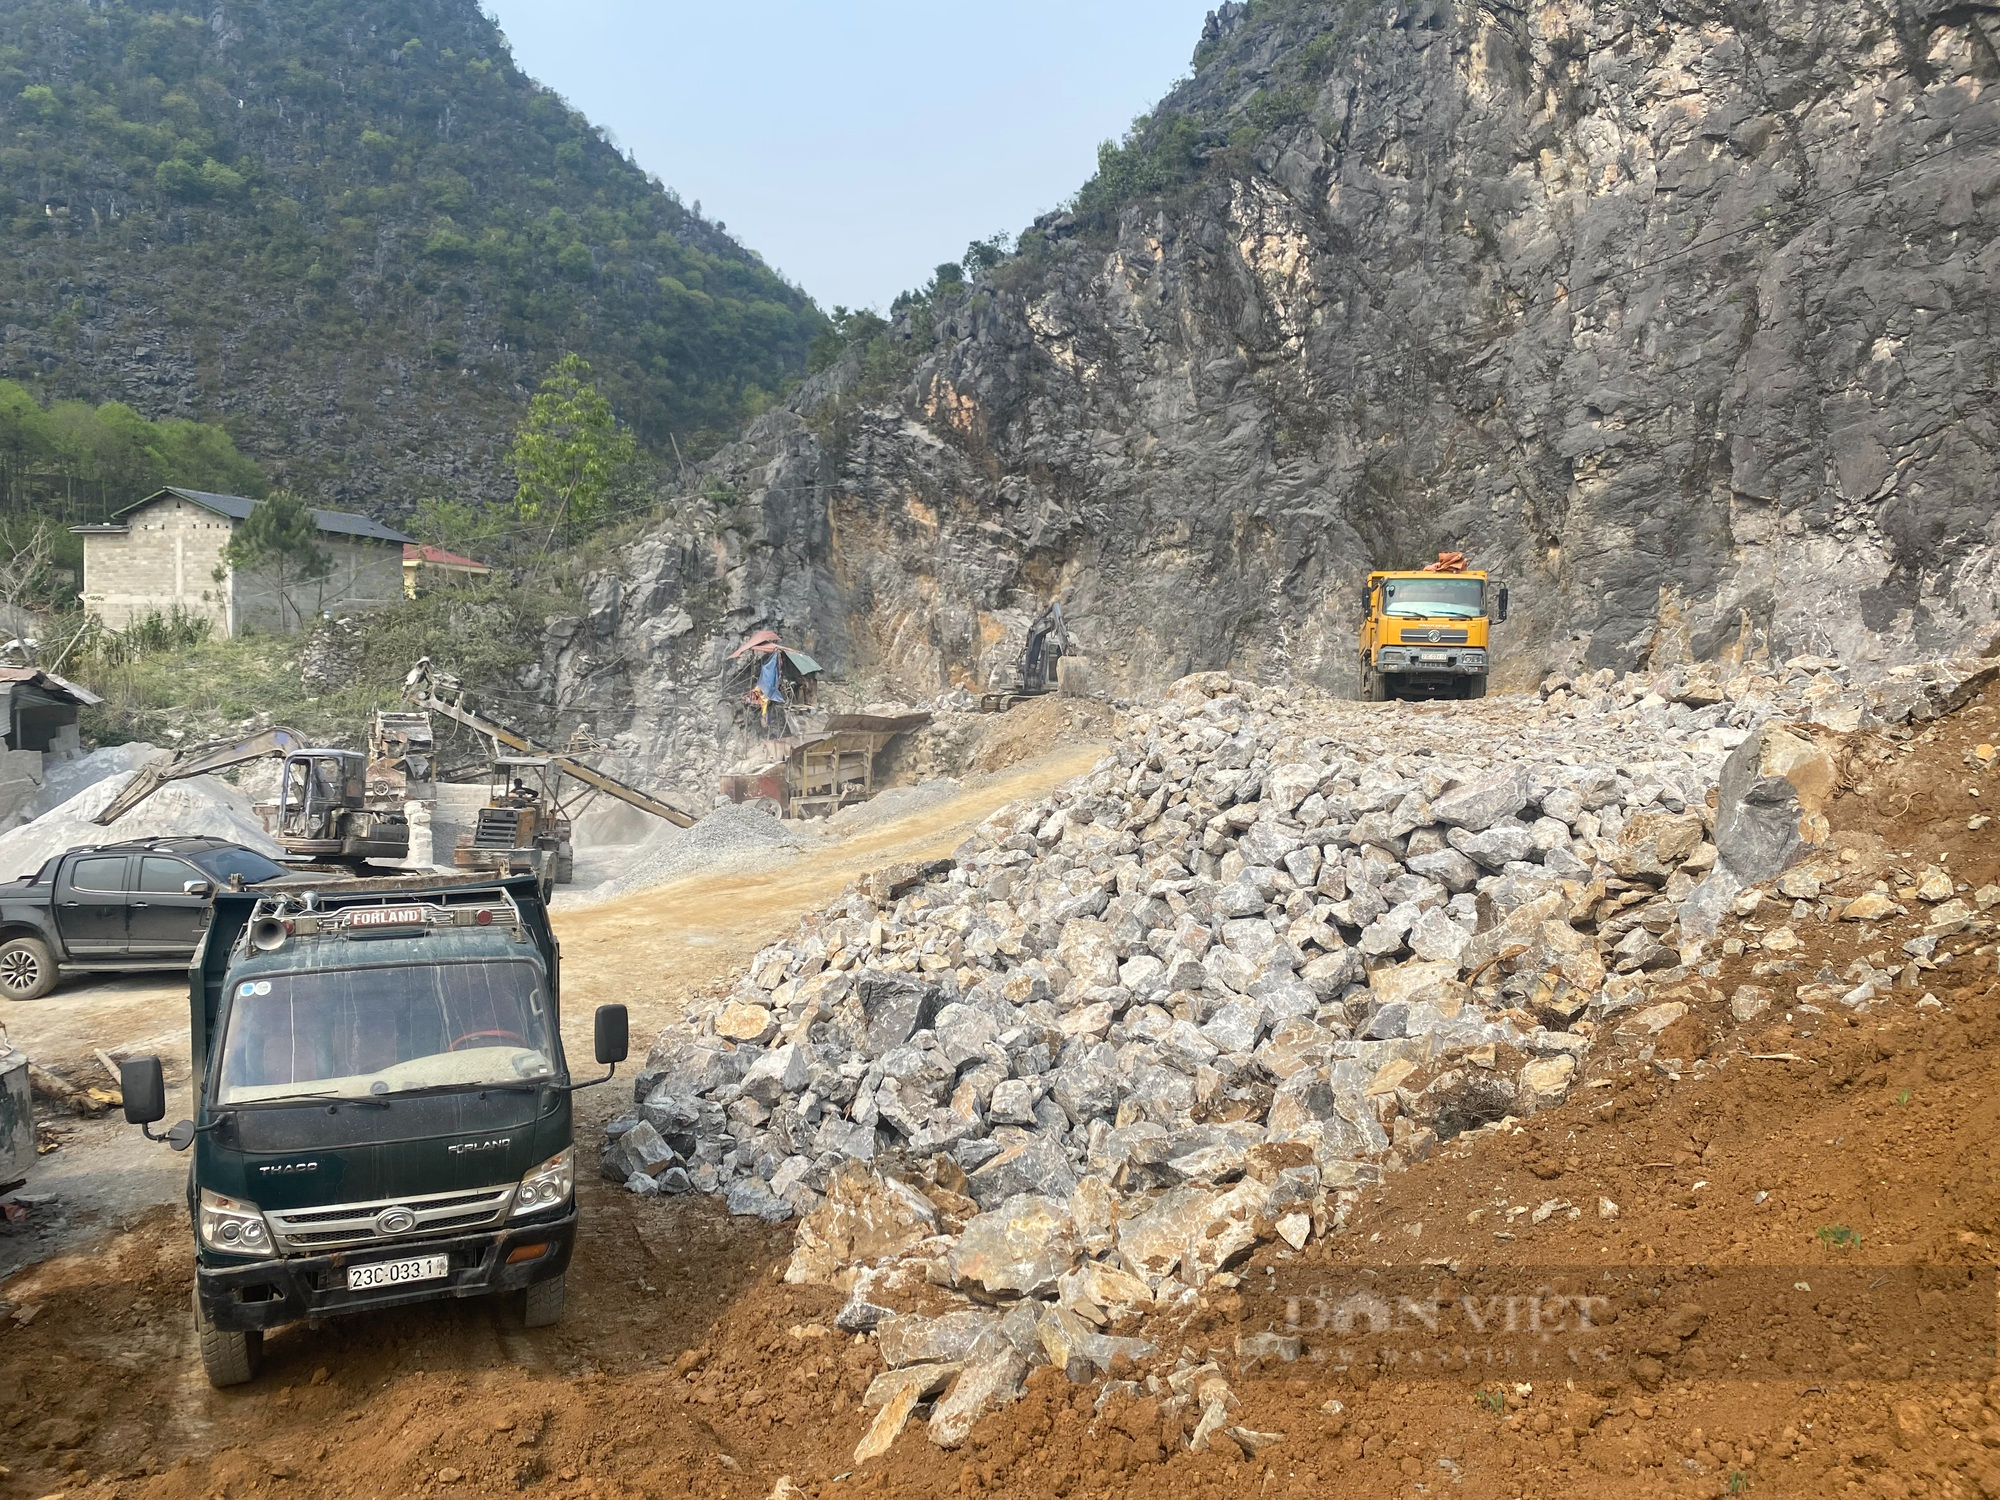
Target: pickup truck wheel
(27, 970)
(542, 1303)
(227, 1358)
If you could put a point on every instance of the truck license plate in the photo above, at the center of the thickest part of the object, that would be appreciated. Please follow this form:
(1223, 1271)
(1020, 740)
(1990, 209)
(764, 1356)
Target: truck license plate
(1432, 658)
(396, 1272)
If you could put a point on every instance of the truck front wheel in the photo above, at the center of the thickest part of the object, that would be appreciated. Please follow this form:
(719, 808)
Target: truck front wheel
(542, 1303)
(1475, 685)
(27, 969)
(227, 1358)
(1374, 686)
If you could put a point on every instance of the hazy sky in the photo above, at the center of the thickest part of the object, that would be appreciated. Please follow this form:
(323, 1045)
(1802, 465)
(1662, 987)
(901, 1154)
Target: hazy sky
(856, 145)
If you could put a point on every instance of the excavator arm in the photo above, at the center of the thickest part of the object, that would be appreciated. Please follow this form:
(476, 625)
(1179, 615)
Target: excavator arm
(150, 778)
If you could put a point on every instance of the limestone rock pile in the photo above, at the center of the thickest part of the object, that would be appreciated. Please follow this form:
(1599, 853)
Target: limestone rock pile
(1191, 1002)
(1195, 1001)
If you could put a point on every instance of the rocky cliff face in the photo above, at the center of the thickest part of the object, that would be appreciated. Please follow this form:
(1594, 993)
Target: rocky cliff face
(1679, 317)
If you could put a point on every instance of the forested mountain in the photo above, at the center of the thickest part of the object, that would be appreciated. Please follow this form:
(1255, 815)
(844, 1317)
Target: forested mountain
(355, 233)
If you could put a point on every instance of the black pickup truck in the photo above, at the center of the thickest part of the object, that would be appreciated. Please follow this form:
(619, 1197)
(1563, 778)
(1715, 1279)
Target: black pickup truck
(138, 905)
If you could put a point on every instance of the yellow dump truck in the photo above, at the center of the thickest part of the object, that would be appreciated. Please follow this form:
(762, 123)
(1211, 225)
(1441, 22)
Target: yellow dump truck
(1425, 634)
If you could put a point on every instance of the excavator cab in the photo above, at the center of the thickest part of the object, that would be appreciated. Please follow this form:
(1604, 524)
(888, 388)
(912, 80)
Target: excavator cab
(314, 787)
(323, 811)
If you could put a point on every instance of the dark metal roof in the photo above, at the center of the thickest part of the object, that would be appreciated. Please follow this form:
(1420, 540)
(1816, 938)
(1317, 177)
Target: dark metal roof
(238, 508)
(58, 689)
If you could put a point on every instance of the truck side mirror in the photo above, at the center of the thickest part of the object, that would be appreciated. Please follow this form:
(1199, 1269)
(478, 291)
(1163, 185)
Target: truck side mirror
(1500, 606)
(614, 1036)
(144, 1085)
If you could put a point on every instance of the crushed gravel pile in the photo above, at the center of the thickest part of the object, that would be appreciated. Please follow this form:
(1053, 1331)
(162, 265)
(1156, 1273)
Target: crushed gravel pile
(199, 805)
(730, 837)
(890, 804)
(63, 779)
(1203, 997)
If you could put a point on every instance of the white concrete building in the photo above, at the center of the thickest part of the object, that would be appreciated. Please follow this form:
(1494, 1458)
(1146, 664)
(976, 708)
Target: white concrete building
(165, 552)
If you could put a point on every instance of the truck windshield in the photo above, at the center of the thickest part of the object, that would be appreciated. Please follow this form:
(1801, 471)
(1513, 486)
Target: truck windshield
(367, 1032)
(1436, 598)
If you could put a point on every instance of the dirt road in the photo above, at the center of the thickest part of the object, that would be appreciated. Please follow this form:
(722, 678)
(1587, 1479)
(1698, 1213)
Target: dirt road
(1817, 1143)
(102, 1376)
(98, 1179)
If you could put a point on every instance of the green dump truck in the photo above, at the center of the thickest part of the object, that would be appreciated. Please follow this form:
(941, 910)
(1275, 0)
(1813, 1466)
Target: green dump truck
(382, 1105)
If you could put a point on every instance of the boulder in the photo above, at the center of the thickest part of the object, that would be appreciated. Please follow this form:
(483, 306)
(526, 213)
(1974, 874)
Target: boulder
(1016, 1250)
(1546, 1081)
(898, 1403)
(641, 1150)
(912, 1339)
(741, 1021)
(1749, 1001)
(780, 1072)
(1013, 1103)
(1480, 803)
(1771, 802)
(896, 1007)
(1451, 869)
(865, 1217)
(982, 1386)
(1037, 1165)
(1496, 847)
(752, 1197)
(1087, 951)
(1193, 1231)
(1654, 844)
(1408, 982)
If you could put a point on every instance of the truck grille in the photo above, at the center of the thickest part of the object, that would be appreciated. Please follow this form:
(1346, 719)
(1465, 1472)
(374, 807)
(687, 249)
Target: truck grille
(1435, 637)
(349, 1224)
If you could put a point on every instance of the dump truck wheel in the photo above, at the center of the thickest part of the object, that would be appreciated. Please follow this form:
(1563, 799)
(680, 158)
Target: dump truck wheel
(227, 1358)
(27, 970)
(1374, 687)
(1475, 685)
(542, 1303)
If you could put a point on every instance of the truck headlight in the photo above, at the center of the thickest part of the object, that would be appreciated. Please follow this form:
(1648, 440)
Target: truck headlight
(548, 1186)
(1391, 656)
(233, 1226)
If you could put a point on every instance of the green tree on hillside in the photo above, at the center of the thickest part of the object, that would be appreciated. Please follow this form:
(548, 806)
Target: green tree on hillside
(113, 448)
(281, 540)
(570, 453)
(246, 215)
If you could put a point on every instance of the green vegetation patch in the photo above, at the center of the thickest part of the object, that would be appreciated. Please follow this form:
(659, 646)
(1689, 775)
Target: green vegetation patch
(290, 199)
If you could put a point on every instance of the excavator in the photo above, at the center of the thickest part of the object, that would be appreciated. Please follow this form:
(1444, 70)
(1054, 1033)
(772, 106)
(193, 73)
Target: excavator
(322, 811)
(1041, 666)
(523, 827)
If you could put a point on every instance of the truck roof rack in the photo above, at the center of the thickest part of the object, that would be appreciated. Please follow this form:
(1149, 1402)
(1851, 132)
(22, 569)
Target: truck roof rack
(386, 905)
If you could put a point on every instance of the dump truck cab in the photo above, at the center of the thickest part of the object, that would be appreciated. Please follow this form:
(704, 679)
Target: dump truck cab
(1427, 633)
(382, 1105)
